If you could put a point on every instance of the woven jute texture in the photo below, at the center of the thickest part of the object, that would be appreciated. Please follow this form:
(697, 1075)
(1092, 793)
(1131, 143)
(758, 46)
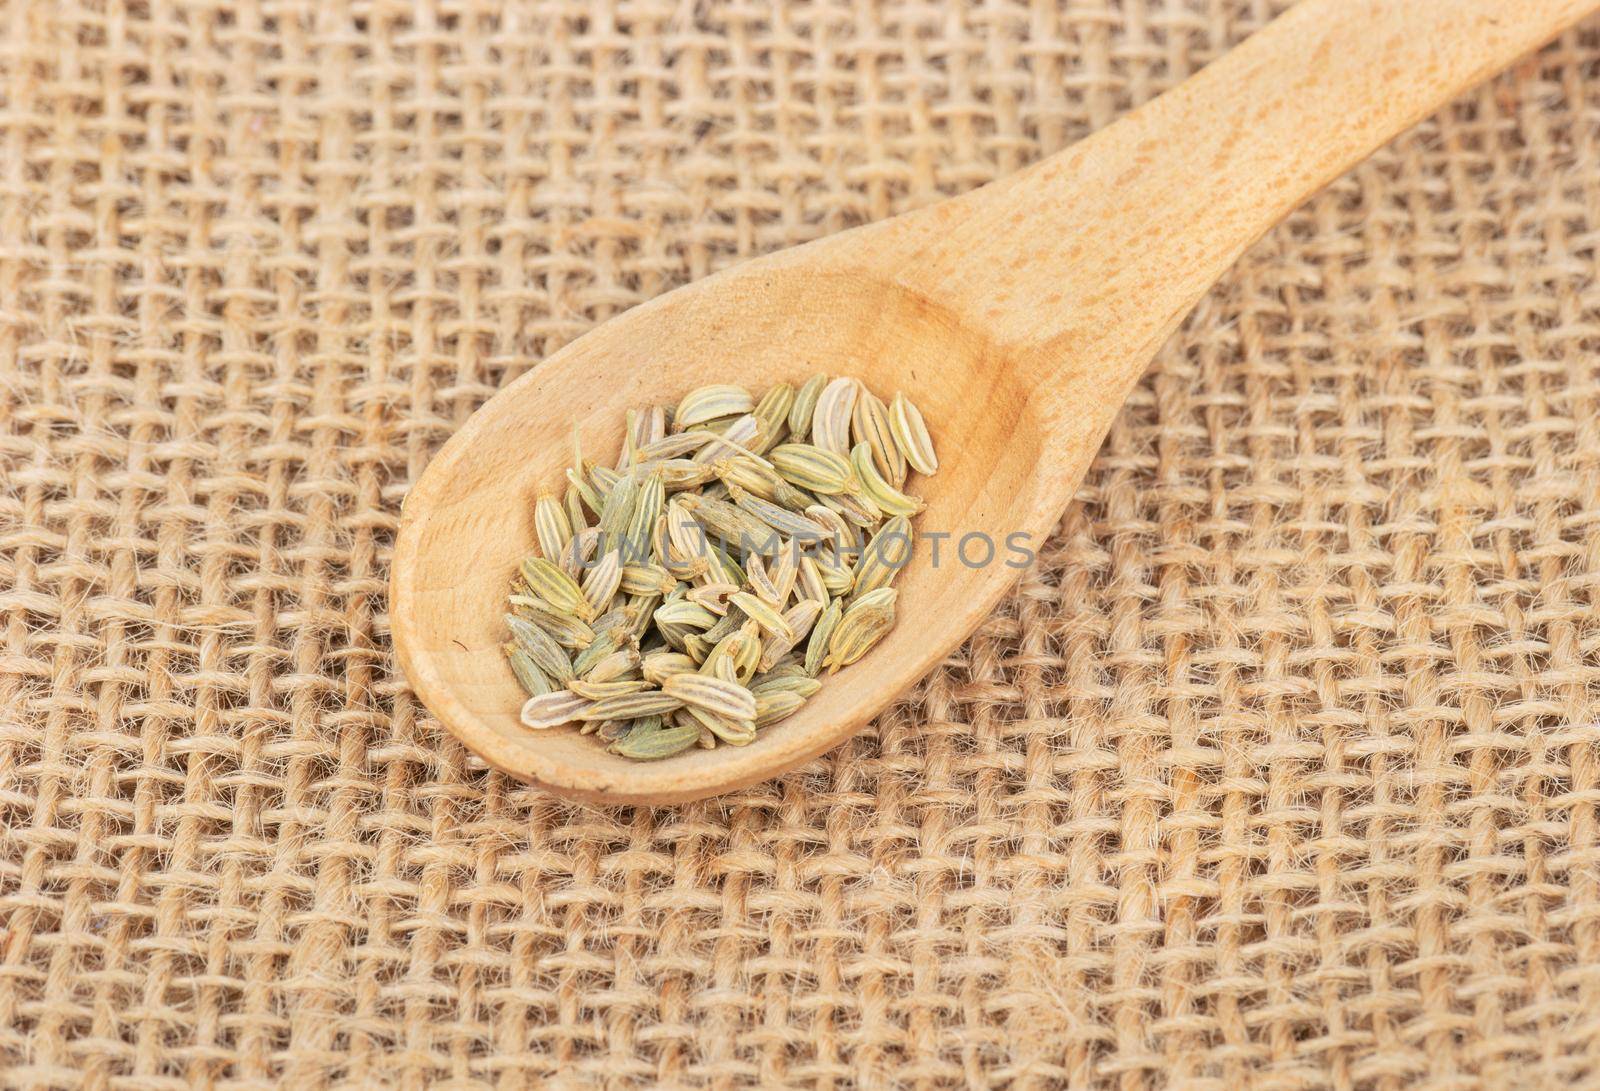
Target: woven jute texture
(1280, 770)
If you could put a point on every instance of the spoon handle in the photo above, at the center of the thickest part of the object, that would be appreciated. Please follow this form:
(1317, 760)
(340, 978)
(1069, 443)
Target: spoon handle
(1084, 264)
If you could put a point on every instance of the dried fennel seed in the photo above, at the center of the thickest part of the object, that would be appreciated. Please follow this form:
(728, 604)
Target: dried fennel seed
(691, 593)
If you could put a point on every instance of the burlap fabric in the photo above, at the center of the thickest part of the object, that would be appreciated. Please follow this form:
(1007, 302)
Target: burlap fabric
(1280, 771)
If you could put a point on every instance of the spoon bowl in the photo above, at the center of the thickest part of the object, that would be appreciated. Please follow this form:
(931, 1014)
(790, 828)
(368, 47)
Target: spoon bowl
(1016, 317)
(454, 565)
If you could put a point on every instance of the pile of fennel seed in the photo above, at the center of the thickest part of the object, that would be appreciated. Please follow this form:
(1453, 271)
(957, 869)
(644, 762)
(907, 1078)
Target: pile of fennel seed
(693, 593)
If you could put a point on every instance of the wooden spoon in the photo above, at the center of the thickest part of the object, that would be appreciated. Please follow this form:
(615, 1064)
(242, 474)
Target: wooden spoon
(1017, 316)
